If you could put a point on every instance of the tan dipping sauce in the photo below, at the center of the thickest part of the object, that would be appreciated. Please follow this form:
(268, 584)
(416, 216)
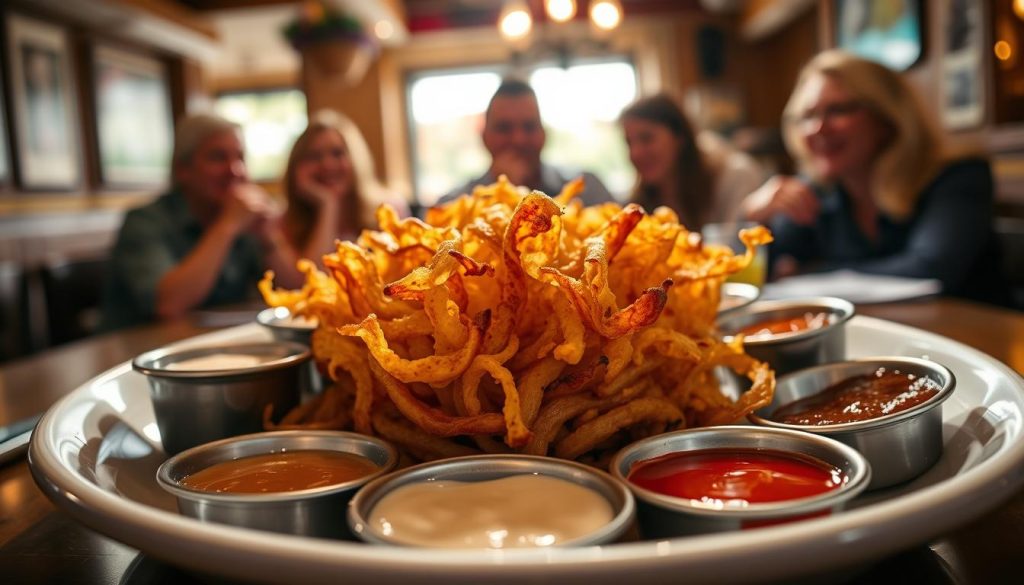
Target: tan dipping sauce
(219, 361)
(281, 472)
(512, 512)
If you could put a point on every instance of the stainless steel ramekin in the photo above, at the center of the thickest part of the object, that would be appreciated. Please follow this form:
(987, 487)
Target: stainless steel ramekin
(312, 512)
(736, 296)
(490, 467)
(193, 407)
(283, 327)
(663, 516)
(789, 352)
(900, 446)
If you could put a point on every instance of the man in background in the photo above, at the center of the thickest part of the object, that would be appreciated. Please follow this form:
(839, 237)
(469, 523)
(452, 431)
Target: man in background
(206, 242)
(514, 136)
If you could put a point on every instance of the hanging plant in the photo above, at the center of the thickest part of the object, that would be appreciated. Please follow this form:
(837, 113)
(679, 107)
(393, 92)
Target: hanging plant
(333, 44)
(317, 24)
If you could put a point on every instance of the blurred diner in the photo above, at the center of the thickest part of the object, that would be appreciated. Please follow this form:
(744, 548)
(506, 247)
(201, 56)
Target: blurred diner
(205, 242)
(697, 175)
(880, 192)
(514, 136)
(331, 189)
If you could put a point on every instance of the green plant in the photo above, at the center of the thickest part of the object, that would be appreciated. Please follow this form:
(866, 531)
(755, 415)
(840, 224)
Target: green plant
(317, 23)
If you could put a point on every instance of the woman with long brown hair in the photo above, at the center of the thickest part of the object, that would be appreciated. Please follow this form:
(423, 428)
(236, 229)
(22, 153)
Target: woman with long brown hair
(698, 176)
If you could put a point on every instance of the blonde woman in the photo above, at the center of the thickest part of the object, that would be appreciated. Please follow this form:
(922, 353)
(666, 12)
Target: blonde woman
(880, 193)
(331, 187)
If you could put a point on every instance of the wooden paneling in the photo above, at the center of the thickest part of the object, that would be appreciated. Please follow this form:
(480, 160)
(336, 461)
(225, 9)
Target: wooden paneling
(360, 102)
(770, 68)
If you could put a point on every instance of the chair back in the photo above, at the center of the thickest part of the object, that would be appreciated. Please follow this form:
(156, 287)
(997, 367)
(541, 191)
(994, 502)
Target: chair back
(74, 289)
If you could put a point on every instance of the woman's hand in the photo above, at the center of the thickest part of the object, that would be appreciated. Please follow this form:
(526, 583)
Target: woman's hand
(311, 190)
(786, 195)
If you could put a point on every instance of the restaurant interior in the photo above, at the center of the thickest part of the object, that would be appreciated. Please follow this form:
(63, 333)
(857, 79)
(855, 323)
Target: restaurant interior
(92, 91)
(732, 63)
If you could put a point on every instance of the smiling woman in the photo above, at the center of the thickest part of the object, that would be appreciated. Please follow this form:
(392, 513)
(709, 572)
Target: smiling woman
(881, 193)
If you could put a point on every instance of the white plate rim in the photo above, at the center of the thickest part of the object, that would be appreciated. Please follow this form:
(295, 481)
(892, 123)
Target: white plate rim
(826, 543)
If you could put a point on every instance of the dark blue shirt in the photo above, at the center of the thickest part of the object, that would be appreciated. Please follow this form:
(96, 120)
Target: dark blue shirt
(948, 236)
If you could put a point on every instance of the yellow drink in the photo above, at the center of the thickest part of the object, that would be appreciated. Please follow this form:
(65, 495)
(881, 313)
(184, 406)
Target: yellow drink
(755, 272)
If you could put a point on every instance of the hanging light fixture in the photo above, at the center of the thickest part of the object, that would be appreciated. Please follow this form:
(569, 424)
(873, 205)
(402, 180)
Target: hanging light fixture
(555, 34)
(515, 21)
(606, 14)
(560, 10)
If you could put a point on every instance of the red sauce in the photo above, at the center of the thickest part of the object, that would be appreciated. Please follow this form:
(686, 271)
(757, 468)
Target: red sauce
(737, 476)
(772, 327)
(860, 398)
(281, 472)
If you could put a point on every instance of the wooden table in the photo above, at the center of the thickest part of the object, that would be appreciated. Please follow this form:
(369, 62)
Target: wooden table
(40, 544)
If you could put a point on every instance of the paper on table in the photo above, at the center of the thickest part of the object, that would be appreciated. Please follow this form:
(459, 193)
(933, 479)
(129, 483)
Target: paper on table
(855, 287)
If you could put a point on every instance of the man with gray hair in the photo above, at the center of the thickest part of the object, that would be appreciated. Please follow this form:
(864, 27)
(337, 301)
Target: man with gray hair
(204, 243)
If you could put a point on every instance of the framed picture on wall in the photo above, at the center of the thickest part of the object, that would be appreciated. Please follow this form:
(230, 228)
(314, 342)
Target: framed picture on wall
(5, 168)
(887, 31)
(133, 118)
(45, 118)
(963, 72)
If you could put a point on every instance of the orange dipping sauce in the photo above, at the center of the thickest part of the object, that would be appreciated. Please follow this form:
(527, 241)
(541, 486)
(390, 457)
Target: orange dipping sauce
(859, 398)
(734, 478)
(281, 472)
(773, 327)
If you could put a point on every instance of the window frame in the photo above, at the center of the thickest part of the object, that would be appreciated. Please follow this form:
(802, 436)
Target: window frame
(502, 69)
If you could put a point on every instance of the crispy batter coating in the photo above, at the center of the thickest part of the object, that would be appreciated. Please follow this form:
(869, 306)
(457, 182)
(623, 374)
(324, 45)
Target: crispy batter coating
(512, 321)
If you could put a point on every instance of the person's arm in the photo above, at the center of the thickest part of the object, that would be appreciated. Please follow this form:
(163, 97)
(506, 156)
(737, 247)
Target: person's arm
(188, 283)
(793, 247)
(782, 195)
(950, 231)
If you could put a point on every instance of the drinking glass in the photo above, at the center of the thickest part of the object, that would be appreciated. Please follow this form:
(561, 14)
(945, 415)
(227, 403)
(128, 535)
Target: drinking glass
(728, 234)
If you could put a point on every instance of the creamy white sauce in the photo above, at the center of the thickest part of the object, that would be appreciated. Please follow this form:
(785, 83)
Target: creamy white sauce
(219, 361)
(511, 512)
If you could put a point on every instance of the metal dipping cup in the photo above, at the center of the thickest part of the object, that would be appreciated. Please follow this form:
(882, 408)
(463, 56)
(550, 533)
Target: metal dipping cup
(316, 512)
(664, 516)
(490, 467)
(899, 446)
(284, 327)
(193, 407)
(788, 352)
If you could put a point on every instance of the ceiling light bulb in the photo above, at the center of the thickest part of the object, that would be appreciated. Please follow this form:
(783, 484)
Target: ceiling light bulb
(1003, 50)
(515, 21)
(1018, 8)
(560, 10)
(384, 30)
(606, 14)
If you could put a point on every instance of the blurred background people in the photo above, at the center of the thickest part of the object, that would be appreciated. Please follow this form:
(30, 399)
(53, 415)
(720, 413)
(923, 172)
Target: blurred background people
(514, 136)
(880, 192)
(206, 242)
(331, 187)
(699, 176)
